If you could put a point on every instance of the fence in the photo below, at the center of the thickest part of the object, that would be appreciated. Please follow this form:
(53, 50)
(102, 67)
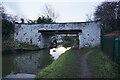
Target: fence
(110, 45)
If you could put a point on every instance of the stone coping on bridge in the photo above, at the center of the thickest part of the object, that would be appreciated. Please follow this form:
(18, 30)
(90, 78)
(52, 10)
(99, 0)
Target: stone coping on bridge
(60, 22)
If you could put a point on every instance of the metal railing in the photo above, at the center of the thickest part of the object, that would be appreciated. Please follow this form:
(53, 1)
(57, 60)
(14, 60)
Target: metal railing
(110, 45)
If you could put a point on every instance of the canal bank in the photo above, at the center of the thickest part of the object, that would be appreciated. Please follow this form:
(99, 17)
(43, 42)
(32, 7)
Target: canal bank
(29, 62)
(66, 66)
(70, 65)
(17, 46)
(52, 63)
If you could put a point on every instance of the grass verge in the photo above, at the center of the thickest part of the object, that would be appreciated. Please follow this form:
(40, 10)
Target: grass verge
(59, 68)
(102, 67)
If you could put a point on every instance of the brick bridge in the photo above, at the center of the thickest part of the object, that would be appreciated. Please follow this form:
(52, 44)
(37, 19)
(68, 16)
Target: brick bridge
(39, 34)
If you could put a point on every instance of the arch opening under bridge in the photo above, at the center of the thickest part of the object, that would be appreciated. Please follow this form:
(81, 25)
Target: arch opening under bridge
(47, 34)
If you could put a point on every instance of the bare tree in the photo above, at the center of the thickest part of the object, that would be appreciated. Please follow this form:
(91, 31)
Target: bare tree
(2, 10)
(106, 13)
(50, 13)
(7, 16)
(89, 17)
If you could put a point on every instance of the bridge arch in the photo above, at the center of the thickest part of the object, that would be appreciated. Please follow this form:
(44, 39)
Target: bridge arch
(47, 34)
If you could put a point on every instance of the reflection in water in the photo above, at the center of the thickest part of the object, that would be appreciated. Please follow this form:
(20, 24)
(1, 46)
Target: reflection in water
(56, 52)
(26, 62)
(29, 61)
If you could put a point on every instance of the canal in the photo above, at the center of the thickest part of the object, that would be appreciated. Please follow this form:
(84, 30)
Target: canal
(30, 62)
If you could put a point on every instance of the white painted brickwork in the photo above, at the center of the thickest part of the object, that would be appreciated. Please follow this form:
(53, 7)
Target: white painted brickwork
(90, 35)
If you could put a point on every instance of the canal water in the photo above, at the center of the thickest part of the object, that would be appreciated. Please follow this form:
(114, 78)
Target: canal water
(30, 62)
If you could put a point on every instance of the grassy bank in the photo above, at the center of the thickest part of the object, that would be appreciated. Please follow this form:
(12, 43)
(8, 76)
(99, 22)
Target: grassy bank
(66, 66)
(17, 45)
(101, 66)
(58, 68)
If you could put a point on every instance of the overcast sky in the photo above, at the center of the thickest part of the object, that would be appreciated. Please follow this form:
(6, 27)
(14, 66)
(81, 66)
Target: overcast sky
(67, 10)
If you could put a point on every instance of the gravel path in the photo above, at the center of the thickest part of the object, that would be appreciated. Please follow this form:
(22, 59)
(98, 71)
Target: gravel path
(85, 71)
(82, 69)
